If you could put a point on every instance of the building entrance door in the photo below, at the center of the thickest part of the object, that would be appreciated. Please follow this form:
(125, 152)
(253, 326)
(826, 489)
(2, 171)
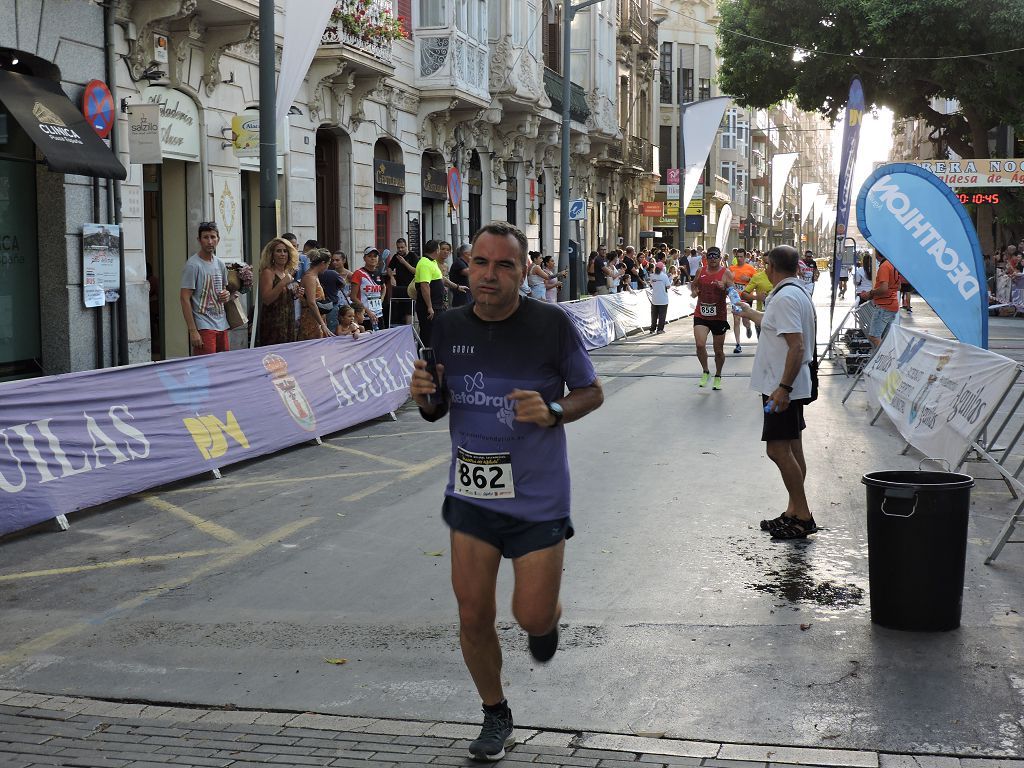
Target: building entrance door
(20, 347)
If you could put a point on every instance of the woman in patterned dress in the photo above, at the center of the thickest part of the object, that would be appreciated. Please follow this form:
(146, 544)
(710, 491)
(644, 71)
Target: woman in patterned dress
(278, 287)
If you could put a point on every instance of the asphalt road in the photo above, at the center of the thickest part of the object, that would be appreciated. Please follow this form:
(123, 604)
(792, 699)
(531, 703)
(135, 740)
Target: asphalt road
(682, 618)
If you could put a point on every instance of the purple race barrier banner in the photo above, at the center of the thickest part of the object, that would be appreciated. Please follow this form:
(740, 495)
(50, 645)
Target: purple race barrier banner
(73, 441)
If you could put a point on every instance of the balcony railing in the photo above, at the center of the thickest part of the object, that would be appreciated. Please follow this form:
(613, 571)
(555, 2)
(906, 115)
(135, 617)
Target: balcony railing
(367, 42)
(578, 109)
(641, 153)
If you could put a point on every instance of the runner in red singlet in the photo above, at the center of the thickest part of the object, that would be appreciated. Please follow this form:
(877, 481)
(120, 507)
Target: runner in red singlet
(711, 314)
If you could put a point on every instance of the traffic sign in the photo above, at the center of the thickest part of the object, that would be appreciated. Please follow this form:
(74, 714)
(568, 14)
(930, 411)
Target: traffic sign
(98, 107)
(454, 187)
(578, 210)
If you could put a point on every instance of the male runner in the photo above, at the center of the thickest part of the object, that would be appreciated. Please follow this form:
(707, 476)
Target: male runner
(710, 315)
(742, 272)
(504, 364)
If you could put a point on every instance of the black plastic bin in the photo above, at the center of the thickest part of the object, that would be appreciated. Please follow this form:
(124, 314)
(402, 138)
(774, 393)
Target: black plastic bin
(917, 545)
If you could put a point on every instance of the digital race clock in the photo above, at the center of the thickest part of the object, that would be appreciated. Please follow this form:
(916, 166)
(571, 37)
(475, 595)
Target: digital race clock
(979, 198)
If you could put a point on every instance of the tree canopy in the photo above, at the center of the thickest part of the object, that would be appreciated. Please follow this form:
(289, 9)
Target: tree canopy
(896, 46)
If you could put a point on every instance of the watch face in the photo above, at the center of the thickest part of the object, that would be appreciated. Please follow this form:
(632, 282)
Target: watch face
(556, 409)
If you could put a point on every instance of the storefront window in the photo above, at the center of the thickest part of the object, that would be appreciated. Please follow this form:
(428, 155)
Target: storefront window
(20, 350)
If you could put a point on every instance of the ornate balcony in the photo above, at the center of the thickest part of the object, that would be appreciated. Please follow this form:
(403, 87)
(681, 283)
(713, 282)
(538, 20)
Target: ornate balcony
(578, 109)
(453, 61)
(641, 154)
(363, 35)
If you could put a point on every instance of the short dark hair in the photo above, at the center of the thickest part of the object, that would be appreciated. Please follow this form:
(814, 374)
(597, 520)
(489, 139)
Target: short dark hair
(207, 226)
(290, 236)
(310, 244)
(401, 240)
(504, 229)
(784, 258)
(431, 246)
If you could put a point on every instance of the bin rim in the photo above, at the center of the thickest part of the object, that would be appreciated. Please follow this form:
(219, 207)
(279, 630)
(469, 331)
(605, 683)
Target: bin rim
(956, 480)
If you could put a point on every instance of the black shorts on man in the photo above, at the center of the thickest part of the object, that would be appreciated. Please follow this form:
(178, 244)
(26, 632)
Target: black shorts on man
(786, 425)
(510, 536)
(718, 327)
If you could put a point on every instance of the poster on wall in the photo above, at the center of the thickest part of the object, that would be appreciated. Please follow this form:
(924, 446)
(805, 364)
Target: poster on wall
(227, 211)
(101, 263)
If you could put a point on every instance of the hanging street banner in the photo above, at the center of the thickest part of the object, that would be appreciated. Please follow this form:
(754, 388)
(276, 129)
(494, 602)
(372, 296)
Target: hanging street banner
(724, 225)
(699, 123)
(848, 160)
(938, 393)
(807, 196)
(977, 173)
(917, 223)
(782, 164)
(76, 440)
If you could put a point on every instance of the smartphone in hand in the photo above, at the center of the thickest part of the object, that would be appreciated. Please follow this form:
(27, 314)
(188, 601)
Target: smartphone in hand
(427, 355)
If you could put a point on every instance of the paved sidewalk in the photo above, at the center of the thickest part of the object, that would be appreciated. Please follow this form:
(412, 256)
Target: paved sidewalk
(41, 730)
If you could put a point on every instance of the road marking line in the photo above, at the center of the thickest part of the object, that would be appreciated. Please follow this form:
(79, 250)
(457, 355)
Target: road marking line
(141, 560)
(246, 549)
(382, 459)
(637, 364)
(208, 527)
(392, 434)
(415, 471)
(223, 485)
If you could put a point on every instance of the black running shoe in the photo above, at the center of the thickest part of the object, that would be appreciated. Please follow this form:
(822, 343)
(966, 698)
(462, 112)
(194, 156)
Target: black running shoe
(543, 647)
(495, 736)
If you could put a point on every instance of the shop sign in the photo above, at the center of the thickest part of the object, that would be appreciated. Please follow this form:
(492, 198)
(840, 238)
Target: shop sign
(976, 173)
(144, 134)
(652, 209)
(672, 208)
(389, 177)
(245, 134)
(475, 181)
(179, 122)
(667, 222)
(435, 184)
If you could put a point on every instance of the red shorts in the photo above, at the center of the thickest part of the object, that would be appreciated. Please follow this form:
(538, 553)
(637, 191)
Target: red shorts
(213, 341)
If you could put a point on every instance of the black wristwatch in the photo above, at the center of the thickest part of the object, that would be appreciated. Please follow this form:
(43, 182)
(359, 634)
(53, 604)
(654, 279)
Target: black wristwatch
(786, 387)
(556, 410)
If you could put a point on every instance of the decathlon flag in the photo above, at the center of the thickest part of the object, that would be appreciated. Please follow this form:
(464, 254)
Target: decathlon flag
(807, 193)
(724, 223)
(844, 196)
(781, 166)
(851, 139)
(701, 121)
(918, 223)
(304, 25)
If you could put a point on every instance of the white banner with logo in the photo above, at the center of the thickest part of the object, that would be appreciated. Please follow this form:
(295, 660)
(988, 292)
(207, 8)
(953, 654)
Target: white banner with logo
(601, 320)
(144, 134)
(227, 212)
(939, 393)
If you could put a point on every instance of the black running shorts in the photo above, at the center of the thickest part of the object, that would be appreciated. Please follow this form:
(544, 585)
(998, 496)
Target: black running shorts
(718, 327)
(509, 535)
(783, 426)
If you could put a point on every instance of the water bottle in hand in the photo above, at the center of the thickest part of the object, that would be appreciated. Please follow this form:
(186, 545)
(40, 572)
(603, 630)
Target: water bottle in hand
(734, 299)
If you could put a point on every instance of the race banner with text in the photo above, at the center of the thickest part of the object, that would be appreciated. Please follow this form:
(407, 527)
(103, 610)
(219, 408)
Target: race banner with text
(939, 393)
(601, 320)
(73, 441)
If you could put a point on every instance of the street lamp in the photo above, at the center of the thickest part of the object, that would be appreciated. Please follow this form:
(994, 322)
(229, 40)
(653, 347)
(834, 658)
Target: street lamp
(268, 124)
(564, 257)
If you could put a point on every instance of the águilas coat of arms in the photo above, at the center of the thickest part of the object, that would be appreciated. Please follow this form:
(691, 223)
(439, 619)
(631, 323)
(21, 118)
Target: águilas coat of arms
(290, 392)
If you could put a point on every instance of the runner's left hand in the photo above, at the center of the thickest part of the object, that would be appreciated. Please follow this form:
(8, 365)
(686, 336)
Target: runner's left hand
(531, 407)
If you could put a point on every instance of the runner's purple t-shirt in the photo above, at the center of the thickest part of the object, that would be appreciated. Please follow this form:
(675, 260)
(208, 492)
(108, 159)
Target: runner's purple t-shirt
(498, 463)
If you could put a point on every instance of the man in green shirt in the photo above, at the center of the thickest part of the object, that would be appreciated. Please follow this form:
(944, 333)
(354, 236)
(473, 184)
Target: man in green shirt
(430, 285)
(757, 289)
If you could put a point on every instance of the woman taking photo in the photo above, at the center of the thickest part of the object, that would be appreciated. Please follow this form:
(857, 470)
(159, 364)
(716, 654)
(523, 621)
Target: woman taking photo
(278, 289)
(313, 320)
(553, 281)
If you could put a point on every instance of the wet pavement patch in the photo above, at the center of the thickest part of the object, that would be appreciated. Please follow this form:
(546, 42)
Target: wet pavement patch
(800, 574)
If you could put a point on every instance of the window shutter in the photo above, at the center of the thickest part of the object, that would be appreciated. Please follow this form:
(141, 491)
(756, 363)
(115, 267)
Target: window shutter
(405, 11)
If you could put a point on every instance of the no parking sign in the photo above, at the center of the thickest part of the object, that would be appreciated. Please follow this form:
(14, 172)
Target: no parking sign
(98, 107)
